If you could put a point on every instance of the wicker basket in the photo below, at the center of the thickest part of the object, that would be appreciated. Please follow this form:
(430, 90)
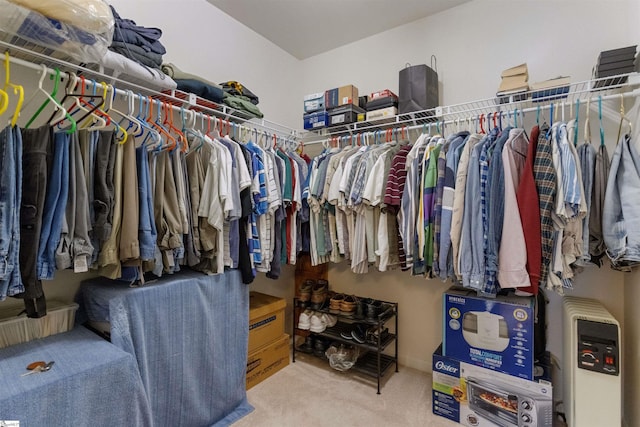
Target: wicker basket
(16, 328)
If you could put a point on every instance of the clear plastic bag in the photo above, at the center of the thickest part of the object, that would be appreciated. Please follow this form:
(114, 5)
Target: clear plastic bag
(342, 357)
(81, 29)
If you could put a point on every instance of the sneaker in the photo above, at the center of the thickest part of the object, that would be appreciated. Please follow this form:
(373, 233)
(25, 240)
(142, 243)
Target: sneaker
(304, 322)
(317, 323)
(334, 303)
(359, 333)
(329, 320)
(319, 294)
(309, 345)
(348, 305)
(346, 335)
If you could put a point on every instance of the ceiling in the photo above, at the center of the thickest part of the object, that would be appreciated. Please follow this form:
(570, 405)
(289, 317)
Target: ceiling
(305, 28)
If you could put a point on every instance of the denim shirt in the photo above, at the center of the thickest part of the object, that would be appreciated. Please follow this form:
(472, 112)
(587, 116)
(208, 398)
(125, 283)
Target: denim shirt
(495, 213)
(471, 257)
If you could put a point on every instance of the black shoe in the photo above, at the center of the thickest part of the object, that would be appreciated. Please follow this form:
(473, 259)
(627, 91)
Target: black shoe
(346, 335)
(373, 310)
(359, 333)
(308, 345)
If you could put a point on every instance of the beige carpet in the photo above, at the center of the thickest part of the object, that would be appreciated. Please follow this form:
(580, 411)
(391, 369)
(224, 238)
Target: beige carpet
(309, 393)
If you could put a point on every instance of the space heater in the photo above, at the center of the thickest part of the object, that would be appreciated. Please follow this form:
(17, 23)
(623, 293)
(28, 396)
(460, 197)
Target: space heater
(591, 367)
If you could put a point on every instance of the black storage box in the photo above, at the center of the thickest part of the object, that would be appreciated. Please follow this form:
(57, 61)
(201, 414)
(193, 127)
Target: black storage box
(385, 102)
(344, 115)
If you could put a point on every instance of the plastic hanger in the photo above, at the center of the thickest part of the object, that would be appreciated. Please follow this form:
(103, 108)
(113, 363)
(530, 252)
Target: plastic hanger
(587, 124)
(73, 80)
(168, 123)
(622, 119)
(600, 119)
(481, 120)
(110, 110)
(575, 135)
(17, 89)
(50, 98)
(156, 124)
(88, 107)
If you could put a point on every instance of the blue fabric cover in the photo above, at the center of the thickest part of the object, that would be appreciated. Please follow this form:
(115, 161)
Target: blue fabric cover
(189, 335)
(92, 383)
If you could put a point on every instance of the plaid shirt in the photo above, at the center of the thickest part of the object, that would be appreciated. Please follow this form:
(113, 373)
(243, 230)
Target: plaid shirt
(442, 163)
(545, 177)
(484, 202)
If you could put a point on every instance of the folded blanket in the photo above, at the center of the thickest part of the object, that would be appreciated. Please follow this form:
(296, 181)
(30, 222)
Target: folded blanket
(89, 15)
(138, 54)
(243, 105)
(133, 72)
(128, 31)
(177, 74)
(201, 89)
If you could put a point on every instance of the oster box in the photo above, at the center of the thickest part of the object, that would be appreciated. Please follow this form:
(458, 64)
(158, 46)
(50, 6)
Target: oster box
(495, 333)
(480, 397)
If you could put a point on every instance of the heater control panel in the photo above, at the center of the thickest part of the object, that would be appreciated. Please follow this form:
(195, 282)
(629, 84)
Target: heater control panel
(598, 347)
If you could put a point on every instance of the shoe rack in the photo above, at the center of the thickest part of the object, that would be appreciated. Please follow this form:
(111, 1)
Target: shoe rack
(375, 359)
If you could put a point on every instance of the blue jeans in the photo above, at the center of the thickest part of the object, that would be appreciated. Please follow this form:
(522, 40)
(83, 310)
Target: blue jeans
(54, 207)
(621, 213)
(147, 234)
(10, 200)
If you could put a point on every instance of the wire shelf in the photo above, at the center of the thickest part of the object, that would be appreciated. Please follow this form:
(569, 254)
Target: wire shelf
(606, 88)
(25, 53)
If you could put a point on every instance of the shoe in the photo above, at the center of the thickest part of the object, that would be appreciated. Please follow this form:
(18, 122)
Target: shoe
(359, 333)
(320, 347)
(374, 331)
(348, 305)
(346, 335)
(308, 345)
(329, 320)
(374, 309)
(304, 321)
(317, 323)
(305, 290)
(319, 294)
(334, 303)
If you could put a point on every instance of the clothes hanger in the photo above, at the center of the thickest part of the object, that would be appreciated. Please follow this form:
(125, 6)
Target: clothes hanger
(108, 105)
(111, 110)
(168, 122)
(622, 120)
(49, 98)
(88, 107)
(17, 90)
(577, 123)
(71, 85)
(600, 119)
(481, 120)
(587, 124)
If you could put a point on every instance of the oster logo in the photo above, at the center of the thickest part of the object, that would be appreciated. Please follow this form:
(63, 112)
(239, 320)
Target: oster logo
(445, 367)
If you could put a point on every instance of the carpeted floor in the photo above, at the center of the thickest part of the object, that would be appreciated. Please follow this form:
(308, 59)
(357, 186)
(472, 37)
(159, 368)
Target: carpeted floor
(309, 393)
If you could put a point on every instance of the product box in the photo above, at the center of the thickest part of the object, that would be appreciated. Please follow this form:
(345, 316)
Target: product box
(345, 114)
(495, 333)
(479, 397)
(314, 102)
(267, 360)
(317, 120)
(386, 114)
(341, 96)
(386, 93)
(266, 319)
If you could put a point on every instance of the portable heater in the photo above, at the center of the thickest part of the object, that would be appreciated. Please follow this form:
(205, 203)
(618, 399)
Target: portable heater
(591, 367)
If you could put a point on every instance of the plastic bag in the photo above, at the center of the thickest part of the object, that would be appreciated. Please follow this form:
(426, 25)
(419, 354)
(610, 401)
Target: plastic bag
(84, 35)
(342, 357)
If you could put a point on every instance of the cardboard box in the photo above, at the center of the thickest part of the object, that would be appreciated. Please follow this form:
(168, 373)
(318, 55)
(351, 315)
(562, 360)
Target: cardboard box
(341, 96)
(317, 120)
(266, 320)
(268, 360)
(314, 102)
(479, 397)
(386, 114)
(495, 333)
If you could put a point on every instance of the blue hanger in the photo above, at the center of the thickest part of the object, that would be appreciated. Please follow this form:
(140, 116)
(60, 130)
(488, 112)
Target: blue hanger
(600, 117)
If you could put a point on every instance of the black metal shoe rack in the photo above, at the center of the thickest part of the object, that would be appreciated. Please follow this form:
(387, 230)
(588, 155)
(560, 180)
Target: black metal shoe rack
(372, 361)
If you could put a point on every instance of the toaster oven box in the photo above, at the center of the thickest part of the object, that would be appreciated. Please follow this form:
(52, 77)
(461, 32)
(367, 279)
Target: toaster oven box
(480, 397)
(495, 333)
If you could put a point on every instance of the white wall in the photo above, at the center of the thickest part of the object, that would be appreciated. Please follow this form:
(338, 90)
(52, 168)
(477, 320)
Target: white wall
(475, 41)
(205, 41)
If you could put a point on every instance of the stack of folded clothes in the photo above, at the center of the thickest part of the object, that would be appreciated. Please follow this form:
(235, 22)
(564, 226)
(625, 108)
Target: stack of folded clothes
(240, 98)
(140, 44)
(194, 84)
